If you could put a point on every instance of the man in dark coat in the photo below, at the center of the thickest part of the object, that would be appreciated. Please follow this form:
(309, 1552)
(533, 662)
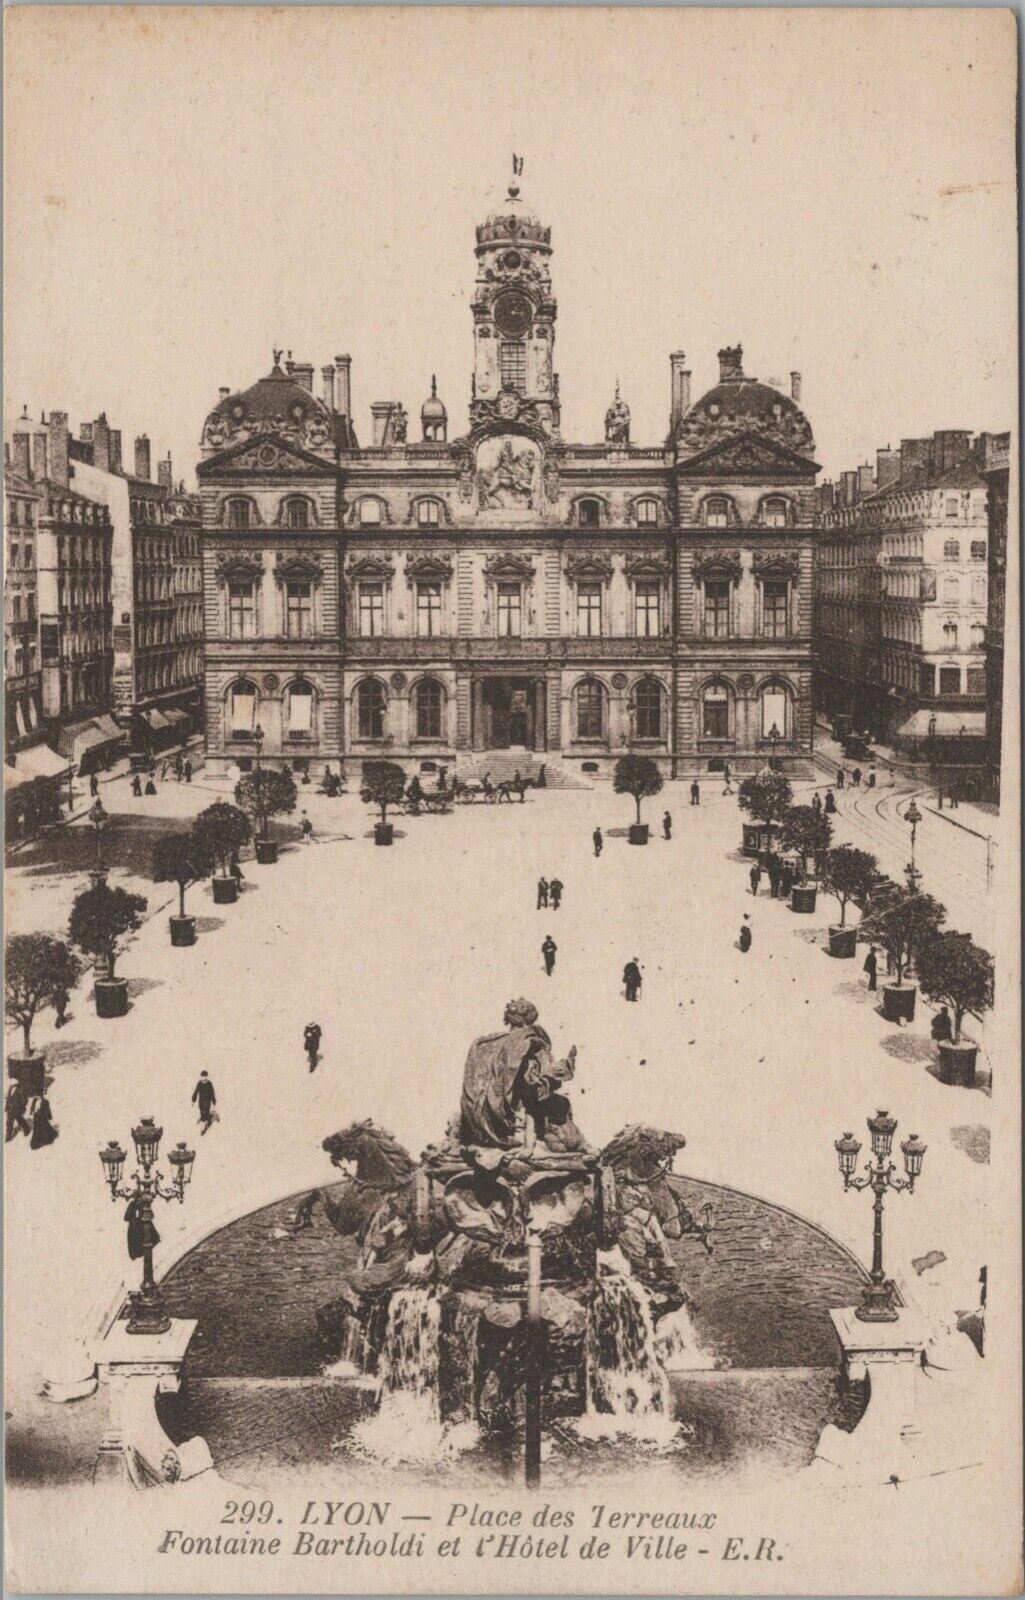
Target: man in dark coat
(598, 841)
(871, 966)
(695, 793)
(555, 893)
(632, 979)
(14, 1112)
(542, 894)
(667, 826)
(204, 1097)
(311, 1043)
(775, 872)
(745, 935)
(756, 877)
(548, 950)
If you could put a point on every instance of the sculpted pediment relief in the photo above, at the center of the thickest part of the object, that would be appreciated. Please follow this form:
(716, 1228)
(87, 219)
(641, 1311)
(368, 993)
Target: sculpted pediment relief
(587, 568)
(647, 564)
(434, 568)
(242, 566)
(298, 566)
(776, 564)
(371, 569)
(508, 567)
(722, 564)
(748, 455)
(268, 452)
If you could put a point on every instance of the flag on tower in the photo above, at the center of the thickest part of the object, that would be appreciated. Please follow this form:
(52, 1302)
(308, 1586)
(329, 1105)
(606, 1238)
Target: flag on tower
(517, 166)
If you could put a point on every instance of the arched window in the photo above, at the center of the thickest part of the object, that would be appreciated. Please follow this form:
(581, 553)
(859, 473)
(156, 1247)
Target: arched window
(428, 700)
(589, 513)
(978, 636)
(646, 512)
(299, 703)
(717, 511)
(242, 707)
(296, 512)
(774, 511)
(715, 712)
(590, 706)
(370, 709)
(951, 591)
(428, 513)
(370, 513)
(777, 717)
(950, 636)
(647, 706)
(239, 513)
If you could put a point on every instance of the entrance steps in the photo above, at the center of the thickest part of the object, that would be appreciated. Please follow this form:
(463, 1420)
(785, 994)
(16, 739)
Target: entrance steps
(503, 765)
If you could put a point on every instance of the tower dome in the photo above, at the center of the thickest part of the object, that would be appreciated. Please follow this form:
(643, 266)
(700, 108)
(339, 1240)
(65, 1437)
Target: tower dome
(433, 416)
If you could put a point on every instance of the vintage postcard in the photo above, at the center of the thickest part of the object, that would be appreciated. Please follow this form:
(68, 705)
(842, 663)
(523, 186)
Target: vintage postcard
(511, 615)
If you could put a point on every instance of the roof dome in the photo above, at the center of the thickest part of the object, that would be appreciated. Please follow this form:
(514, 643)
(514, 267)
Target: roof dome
(433, 409)
(513, 224)
(278, 403)
(739, 404)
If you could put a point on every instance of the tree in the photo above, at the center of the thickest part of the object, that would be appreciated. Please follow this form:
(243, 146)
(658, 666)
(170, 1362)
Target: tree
(38, 968)
(99, 918)
(182, 858)
(766, 796)
(957, 973)
(808, 832)
(271, 792)
(384, 785)
(223, 829)
(904, 923)
(639, 776)
(848, 874)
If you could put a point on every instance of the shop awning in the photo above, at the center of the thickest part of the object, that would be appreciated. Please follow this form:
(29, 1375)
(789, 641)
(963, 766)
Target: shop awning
(156, 720)
(42, 762)
(13, 778)
(109, 727)
(946, 725)
(176, 718)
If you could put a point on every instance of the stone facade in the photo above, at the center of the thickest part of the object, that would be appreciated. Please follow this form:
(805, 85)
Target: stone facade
(994, 463)
(433, 599)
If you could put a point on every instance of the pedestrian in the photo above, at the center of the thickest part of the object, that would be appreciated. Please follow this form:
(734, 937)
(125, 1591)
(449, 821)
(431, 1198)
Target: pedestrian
(542, 894)
(555, 893)
(521, 784)
(94, 785)
(235, 867)
(311, 1043)
(727, 775)
(830, 806)
(745, 935)
(414, 794)
(871, 967)
(163, 771)
(727, 786)
(816, 803)
(856, 778)
(841, 777)
(151, 787)
(632, 979)
(942, 1029)
(548, 950)
(598, 841)
(442, 777)
(775, 872)
(756, 878)
(667, 826)
(44, 1130)
(306, 827)
(872, 777)
(14, 1112)
(204, 1096)
(187, 769)
(60, 1005)
(695, 793)
(178, 766)
(137, 787)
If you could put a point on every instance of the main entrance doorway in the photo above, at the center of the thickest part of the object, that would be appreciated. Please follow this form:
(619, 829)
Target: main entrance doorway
(509, 713)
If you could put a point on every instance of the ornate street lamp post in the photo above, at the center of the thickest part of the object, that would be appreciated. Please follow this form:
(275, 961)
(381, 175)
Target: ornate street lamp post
(912, 817)
(258, 737)
(99, 819)
(877, 1300)
(774, 737)
(147, 1313)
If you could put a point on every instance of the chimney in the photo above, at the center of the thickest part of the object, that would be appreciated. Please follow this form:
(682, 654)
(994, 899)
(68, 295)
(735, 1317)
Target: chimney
(60, 439)
(142, 465)
(165, 476)
(827, 495)
(85, 433)
(381, 410)
(39, 456)
(301, 371)
(22, 465)
(866, 480)
(731, 364)
(101, 443)
(115, 449)
(327, 375)
(343, 378)
(952, 447)
(224, 391)
(887, 467)
(915, 458)
(795, 386)
(679, 389)
(848, 487)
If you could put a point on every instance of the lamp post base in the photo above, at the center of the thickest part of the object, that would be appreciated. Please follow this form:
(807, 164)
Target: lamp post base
(147, 1314)
(877, 1304)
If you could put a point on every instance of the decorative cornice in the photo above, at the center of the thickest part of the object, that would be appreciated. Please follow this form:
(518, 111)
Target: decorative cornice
(371, 568)
(237, 564)
(776, 563)
(508, 565)
(585, 568)
(298, 566)
(432, 568)
(646, 564)
(712, 564)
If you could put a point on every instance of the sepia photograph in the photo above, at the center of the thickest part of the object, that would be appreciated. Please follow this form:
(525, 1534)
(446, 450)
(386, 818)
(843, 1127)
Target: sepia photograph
(512, 924)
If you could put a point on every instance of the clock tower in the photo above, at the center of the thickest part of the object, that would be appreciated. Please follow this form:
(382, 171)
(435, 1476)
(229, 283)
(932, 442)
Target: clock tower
(514, 319)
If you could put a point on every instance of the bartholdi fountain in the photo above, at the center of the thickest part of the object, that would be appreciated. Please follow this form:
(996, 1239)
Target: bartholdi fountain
(514, 1276)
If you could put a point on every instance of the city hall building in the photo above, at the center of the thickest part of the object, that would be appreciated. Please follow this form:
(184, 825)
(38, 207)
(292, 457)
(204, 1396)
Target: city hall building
(436, 599)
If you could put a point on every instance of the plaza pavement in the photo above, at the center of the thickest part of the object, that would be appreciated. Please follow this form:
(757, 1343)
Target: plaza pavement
(404, 956)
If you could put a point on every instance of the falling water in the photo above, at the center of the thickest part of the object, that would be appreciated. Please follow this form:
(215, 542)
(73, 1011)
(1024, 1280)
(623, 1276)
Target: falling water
(407, 1425)
(351, 1361)
(627, 1386)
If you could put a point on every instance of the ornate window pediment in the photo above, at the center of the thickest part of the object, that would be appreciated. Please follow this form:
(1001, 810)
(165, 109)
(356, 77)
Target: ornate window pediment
(587, 568)
(721, 565)
(299, 566)
(776, 564)
(508, 567)
(238, 566)
(434, 568)
(648, 565)
(374, 569)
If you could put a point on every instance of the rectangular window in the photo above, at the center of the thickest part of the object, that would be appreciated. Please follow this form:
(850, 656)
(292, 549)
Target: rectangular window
(975, 681)
(952, 507)
(717, 609)
(951, 550)
(298, 610)
(978, 549)
(646, 610)
(774, 610)
(950, 680)
(589, 610)
(243, 709)
(716, 717)
(300, 711)
(371, 610)
(241, 610)
(428, 609)
(510, 604)
(513, 365)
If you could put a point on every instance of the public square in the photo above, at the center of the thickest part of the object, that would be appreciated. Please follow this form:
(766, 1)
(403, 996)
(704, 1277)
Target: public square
(404, 955)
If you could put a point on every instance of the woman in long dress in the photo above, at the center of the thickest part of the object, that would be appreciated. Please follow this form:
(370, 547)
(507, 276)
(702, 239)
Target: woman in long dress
(44, 1131)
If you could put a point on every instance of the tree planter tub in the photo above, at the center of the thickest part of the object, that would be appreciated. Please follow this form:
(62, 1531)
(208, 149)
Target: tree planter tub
(802, 897)
(843, 942)
(899, 1002)
(638, 833)
(111, 997)
(384, 833)
(266, 852)
(957, 1063)
(183, 931)
(225, 891)
(29, 1073)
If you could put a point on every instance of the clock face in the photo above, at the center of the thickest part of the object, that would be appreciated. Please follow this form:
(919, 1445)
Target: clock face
(513, 314)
